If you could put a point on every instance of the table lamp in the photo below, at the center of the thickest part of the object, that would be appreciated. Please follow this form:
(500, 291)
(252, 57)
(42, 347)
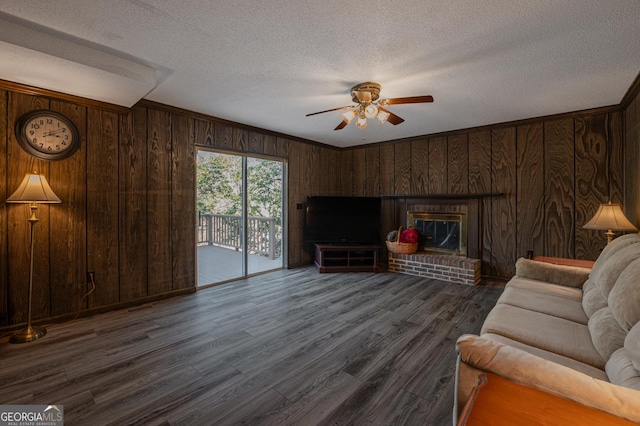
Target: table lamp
(610, 218)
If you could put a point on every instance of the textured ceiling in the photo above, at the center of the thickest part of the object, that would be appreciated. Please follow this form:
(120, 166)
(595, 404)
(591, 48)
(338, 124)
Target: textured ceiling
(268, 63)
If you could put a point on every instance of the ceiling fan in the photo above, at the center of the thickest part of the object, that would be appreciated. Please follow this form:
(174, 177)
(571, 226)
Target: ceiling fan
(368, 105)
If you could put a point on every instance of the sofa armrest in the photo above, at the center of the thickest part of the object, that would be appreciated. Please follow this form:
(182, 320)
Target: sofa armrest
(568, 276)
(477, 354)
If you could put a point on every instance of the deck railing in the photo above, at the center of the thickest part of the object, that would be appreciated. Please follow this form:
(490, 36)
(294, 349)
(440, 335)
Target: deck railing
(263, 233)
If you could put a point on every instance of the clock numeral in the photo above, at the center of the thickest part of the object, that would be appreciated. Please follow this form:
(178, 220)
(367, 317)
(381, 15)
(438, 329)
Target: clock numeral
(57, 147)
(49, 121)
(35, 126)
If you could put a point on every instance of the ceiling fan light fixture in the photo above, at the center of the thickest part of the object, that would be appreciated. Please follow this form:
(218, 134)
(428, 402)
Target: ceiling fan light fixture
(383, 116)
(371, 111)
(362, 122)
(348, 116)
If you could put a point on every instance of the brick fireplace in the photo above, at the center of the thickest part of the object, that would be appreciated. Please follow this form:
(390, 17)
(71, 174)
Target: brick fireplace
(451, 245)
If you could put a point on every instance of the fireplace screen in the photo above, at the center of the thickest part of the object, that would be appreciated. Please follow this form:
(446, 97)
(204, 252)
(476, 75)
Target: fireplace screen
(440, 232)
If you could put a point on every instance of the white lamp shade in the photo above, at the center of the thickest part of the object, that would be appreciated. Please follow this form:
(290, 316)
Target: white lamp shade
(348, 116)
(34, 188)
(362, 122)
(610, 217)
(383, 115)
(371, 111)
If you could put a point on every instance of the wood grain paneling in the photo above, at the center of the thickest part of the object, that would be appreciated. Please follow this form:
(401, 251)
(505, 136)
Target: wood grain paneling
(372, 171)
(19, 163)
(269, 145)
(240, 139)
(616, 157)
(458, 164)
(282, 147)
(530, 189)
(256, 142)
(438, 163)
(420, 166)
(68, 242)
(183, 203)
(559, 188)
(204, 133)
(4, 192)
(223, 138)
(402, 168)
(591, 181)
(359, 172)
(346, 173)
(102, 206)
(632, 161)
(133, 205)
(480, 182)
(159, 260)
(503, 208)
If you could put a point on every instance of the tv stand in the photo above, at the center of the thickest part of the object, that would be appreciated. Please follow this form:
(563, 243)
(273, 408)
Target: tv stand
(347, 257)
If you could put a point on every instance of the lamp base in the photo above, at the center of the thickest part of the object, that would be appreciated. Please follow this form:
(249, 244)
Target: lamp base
(28, 334)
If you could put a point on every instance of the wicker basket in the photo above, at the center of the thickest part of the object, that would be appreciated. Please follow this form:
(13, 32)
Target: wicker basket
(401, 248)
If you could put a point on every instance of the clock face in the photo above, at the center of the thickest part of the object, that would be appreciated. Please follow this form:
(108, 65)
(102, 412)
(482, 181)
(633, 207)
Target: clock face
(47, 135)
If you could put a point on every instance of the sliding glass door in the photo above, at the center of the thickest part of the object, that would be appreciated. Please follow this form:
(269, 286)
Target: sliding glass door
(240, 216)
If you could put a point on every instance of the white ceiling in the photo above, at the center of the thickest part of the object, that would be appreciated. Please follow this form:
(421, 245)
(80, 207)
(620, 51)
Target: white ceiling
(268, 63)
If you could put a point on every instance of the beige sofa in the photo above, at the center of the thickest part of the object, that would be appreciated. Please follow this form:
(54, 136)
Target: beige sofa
(570, 331)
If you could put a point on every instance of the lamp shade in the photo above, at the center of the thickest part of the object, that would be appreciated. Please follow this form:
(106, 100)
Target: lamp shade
(610, 217)
(34, 188)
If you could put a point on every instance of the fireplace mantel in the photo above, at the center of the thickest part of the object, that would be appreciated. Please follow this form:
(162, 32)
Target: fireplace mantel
(442, 196)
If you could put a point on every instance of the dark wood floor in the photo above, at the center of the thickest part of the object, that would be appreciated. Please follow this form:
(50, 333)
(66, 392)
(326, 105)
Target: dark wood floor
(290, 347)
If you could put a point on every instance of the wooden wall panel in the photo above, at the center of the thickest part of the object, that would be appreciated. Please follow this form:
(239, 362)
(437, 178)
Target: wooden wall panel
(159, 260)
(420, 166)
(438, 165)
(240, 139)
(372, 171)
(223, 138)
(133, 205)
(615, 136)
(204, 133)
(269, 146)
(346, 173)
(359, 172)
(183, 203)
(68, 241)
(591, 181)
(282, 147)
(480, 182)
(387, 182)
(503, 208)
(402, 168)
(632, 161)
(256, 142)
(458, 166)
(559, 188)
(4, 192)
(530, 189)
(19, 163)
(102, 206)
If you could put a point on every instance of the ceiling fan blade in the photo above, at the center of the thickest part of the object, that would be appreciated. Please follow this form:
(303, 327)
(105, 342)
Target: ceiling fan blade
(408, 100)
(393, 119)
(341, 126)
(329, 110)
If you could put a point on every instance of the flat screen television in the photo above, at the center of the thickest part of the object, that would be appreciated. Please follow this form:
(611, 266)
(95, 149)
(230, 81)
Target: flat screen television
(342, 220)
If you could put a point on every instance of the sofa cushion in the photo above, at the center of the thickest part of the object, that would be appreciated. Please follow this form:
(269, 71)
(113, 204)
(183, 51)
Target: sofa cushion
(624, 299)
(570, 276)
(553, 334)
(632, 345)
(611, 248)
(543, 287)
(613, 267)
(621, 371)
(550, 356)
(606, 333)
(547, 303)
(592, 299)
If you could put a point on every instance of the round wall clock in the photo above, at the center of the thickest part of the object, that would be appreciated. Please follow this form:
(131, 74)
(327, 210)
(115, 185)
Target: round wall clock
(48, 135)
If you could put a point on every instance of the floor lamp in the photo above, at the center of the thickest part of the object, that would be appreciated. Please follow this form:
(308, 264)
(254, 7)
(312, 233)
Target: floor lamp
(609, 217)
(34, 189)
